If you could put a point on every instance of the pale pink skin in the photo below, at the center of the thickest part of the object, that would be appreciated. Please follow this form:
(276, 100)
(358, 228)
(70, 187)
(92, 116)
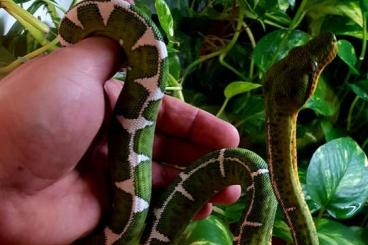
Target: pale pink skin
(53, 165)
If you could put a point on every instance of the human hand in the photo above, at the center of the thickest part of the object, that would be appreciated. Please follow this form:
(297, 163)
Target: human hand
(53, 153)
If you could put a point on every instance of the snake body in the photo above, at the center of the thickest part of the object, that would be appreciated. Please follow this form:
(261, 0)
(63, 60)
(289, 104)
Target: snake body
(287, 86)
(132, 130)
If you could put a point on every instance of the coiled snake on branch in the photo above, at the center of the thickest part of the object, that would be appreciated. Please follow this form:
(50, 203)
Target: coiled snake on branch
(287, 86)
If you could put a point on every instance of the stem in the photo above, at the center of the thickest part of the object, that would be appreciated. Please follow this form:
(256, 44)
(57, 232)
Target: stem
(253, 43)
(222, 53)
(231, 44)
(361, 58)
(228, 66)
(201, 59)
(17, 12)
(350, 115)
(21, 60)
(36, 34)
(219, 113)
(176, 88)
(364, 41)
(365, 143)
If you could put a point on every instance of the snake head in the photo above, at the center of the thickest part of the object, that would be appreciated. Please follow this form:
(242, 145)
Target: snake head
(290, 82)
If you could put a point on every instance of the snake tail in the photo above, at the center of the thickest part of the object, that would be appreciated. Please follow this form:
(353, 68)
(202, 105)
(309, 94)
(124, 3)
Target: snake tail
(132, 128)
(211, 174)
(287, 86)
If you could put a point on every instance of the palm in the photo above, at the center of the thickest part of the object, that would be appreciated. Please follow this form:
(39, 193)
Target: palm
(53, 166)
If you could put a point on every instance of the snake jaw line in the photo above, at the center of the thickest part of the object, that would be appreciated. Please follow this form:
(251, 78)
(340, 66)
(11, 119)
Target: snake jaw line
(290, 82)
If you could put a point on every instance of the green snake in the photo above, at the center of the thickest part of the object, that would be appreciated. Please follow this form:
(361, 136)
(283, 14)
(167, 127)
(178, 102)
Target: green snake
(287, 86)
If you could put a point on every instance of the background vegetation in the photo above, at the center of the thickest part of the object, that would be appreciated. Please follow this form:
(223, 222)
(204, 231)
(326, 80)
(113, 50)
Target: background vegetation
(219, 51)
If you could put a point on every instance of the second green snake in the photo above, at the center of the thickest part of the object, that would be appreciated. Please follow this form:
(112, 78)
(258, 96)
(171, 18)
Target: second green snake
(287, 86)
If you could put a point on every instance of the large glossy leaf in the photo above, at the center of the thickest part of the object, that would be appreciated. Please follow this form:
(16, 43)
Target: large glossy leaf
(364, 6)
(324, 101)
(272, 45)
(211, 231)
(333, 233)
(281, 230)
(360, 88)
(347, 53)
(341, 25)
(337, 177)
(361, 232)
(239, 87)
(165, 17)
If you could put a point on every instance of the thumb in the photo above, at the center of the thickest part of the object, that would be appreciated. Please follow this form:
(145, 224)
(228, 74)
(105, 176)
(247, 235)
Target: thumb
(51, 109)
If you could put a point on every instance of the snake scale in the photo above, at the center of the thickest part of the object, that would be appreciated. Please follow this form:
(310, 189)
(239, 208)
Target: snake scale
(287, 86)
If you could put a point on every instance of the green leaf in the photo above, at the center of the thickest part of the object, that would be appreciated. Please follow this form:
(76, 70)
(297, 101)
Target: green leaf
(174, 65)
(232, 213)
(210, 231)
(331, 131)
(341, 25)
(360, 88)
(272, 45)
(324, 101)
(361, 232)
(337, 177)
(281, 230)
(346, 52)
(239, 87)
(165, 17)
(333, 233)
(364, 6)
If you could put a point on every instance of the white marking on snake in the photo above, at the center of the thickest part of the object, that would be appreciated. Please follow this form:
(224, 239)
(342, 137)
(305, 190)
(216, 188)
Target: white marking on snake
(273, 182)
(171, 196)
(290, 209)
(105, 9)
(156, 95)
(123, 4)
(251, 187)
(252, 195)
(260, 172)
(149, 83)
(182, 190)
(63, 42)
(140, 204)
(146, 39)
(110, 236)
(162, 50)
(158, 236)
(236, 239)
(252, 224)
(73, 17)
(157, 212)
(126, 186)
(183, 176)
(221, 162)
(136, 159)
(132, 125)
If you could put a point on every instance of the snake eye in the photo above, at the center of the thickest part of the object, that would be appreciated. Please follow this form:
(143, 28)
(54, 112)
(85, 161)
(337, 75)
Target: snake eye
(312, 66)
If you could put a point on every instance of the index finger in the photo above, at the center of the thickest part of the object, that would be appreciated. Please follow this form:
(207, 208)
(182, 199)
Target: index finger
(192, 124)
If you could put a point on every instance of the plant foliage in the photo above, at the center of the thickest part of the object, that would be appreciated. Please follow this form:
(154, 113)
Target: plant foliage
(219, 51)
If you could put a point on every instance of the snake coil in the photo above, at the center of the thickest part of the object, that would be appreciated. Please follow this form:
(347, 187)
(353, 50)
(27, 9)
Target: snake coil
(288, 84)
